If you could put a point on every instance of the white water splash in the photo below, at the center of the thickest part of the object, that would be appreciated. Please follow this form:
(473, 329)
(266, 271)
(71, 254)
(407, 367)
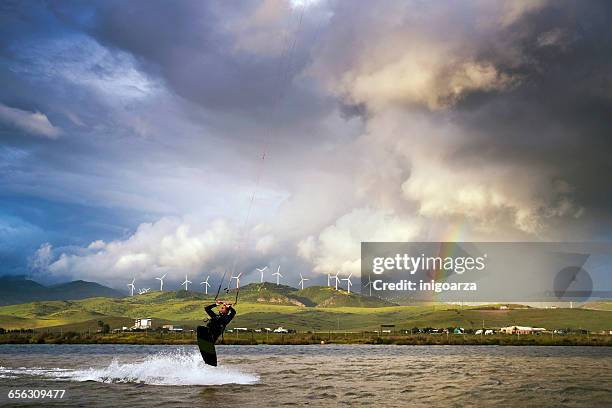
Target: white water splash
(177, 368)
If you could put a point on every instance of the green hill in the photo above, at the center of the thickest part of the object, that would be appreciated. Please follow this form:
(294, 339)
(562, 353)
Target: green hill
(267, 292)
(324, 296)
(598, 305)
(187, 309)
(313, 296)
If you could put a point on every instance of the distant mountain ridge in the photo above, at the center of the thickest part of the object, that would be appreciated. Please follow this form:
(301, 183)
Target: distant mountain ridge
(19, 289)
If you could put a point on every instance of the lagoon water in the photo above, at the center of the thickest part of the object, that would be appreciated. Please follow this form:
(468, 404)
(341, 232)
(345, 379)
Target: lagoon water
(320, 375)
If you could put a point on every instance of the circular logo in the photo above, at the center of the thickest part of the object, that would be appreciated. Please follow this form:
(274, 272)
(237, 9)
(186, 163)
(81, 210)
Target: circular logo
(573, 284)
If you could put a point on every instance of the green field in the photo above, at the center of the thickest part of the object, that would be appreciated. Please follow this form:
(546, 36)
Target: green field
(267, 307)
(600, 305)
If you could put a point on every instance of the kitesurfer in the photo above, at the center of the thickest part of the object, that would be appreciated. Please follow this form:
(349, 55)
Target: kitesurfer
(218, 321)
(208, 335)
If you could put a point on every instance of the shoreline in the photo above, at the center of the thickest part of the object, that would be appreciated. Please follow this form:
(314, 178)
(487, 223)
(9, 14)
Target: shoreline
(142, 338)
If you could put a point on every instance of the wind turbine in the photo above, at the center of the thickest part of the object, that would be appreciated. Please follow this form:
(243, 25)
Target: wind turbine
(261, 271)
(302, 280)
(369, 284)
(348, 282)
(161, 282)
(132, 287)
(328, 279)
(337, 279)
(206, 285)
(278, 275)
(186, 283)
(237, 277)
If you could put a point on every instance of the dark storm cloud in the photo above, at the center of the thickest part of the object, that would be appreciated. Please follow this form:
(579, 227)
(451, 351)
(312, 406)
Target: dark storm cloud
(215, 71)
(542, 100)
(558, 113)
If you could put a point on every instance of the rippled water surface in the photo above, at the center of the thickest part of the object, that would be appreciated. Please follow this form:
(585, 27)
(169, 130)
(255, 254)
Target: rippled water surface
(326, 375)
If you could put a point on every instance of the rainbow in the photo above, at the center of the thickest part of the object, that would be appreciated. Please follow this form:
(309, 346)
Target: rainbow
(455, 233)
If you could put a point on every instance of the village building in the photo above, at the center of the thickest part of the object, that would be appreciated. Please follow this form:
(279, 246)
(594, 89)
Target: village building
(521, 330)
(142, 324)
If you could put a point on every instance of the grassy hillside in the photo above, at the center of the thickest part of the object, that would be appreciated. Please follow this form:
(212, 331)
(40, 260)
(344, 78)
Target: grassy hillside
(187, 309)
(268, 293)
(324, 296)
(313, 296)
(599, 305)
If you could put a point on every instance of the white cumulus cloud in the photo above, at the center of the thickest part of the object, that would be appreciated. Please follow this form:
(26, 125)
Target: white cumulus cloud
(170, 245)
(338, 247)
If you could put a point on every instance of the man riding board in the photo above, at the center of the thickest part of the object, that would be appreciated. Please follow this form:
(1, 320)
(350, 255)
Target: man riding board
(217, 323)
(208, 335)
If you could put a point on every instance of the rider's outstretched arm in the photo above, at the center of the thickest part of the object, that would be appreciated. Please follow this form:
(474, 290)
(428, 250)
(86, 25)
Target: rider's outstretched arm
(209, 310)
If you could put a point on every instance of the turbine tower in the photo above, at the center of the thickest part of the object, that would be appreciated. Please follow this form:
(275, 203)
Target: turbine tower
(132, 287)
(237, 277)
(328, 280)
(348, 282)
(206, 285)
(261, 271)
(186, 283)
(278, 275)
(302, 280)
(337, 279)
(161, 282)
(369, 284)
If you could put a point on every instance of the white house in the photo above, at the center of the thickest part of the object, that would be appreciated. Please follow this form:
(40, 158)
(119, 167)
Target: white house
(521, 330)
(281, 330)
(143, 324)
(172, 328)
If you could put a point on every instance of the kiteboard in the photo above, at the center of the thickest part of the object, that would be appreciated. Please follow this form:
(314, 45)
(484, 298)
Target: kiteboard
(206, 344)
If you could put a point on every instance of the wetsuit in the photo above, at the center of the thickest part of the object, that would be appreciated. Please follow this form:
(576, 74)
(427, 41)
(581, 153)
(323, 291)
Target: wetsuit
(216, 324)
(208, 335)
